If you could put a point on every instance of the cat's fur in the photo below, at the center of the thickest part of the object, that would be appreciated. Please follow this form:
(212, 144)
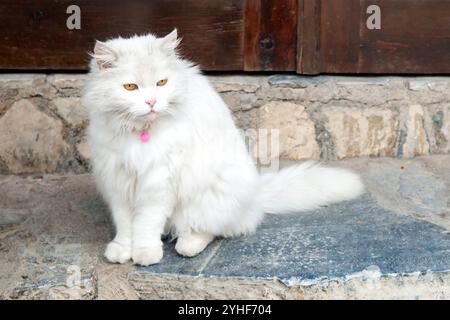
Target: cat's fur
(194, 176)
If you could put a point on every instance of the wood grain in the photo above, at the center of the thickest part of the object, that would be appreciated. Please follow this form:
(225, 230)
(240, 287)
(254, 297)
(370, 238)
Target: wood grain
(270, 37)
(414, 37)
(33, 34)
(308, 38)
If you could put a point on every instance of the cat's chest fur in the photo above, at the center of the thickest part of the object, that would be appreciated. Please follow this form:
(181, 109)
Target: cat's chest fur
(128, 152)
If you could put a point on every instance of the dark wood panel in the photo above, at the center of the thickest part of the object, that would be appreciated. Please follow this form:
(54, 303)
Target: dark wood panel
(414, 37)
(339, 35)
(308, 37)
(33, 34)
(270, 35)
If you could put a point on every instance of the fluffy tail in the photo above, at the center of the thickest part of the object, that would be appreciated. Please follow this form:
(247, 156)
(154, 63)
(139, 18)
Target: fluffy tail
(307, 186)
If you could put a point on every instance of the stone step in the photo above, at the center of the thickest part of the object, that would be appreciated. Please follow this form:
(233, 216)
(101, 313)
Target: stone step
(392, 242)
(323, 117)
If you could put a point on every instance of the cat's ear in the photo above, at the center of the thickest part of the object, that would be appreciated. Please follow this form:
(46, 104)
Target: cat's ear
(103, 55)
(170, 42)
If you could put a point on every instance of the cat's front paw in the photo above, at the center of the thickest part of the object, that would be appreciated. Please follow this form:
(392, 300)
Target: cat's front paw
(146, 256)
(117, 253)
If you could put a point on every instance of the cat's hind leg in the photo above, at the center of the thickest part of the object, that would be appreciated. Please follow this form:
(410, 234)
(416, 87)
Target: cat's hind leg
(191, 243)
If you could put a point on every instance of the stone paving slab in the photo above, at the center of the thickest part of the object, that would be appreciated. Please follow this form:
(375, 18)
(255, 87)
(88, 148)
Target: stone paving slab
(392, 242)
(333, 242)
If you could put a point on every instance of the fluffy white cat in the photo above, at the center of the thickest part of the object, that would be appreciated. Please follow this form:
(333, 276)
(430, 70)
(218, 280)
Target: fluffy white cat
(167, 156)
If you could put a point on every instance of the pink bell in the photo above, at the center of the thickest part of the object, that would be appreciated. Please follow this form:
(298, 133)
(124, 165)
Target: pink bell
(144, 136)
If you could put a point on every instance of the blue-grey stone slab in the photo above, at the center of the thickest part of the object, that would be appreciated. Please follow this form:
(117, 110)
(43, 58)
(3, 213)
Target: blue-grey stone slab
(294, 81)
(332, 242)
(173, 263)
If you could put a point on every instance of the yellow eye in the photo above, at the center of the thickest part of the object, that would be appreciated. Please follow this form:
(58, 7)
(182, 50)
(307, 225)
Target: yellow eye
(130, 86)
(161, 83)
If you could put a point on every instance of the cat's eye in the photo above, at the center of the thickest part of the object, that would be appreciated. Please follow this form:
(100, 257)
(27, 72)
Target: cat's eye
(130, 86)
(161, 83)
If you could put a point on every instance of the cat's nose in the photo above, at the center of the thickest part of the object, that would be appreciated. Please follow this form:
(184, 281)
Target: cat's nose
(151, 102)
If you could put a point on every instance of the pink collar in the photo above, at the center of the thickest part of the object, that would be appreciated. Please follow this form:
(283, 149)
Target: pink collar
(145, 135)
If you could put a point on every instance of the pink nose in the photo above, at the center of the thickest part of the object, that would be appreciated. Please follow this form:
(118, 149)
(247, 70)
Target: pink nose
(151, 102)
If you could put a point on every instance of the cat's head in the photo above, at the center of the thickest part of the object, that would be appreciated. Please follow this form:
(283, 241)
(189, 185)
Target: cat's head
(138, 78)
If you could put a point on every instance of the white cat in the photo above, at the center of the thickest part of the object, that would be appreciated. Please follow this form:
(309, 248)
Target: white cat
(166, 155)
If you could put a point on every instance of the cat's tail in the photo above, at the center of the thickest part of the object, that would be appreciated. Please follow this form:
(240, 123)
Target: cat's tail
(307, 186)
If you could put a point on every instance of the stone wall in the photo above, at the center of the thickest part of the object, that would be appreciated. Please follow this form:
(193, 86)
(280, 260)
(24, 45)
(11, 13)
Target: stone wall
(327, 117)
